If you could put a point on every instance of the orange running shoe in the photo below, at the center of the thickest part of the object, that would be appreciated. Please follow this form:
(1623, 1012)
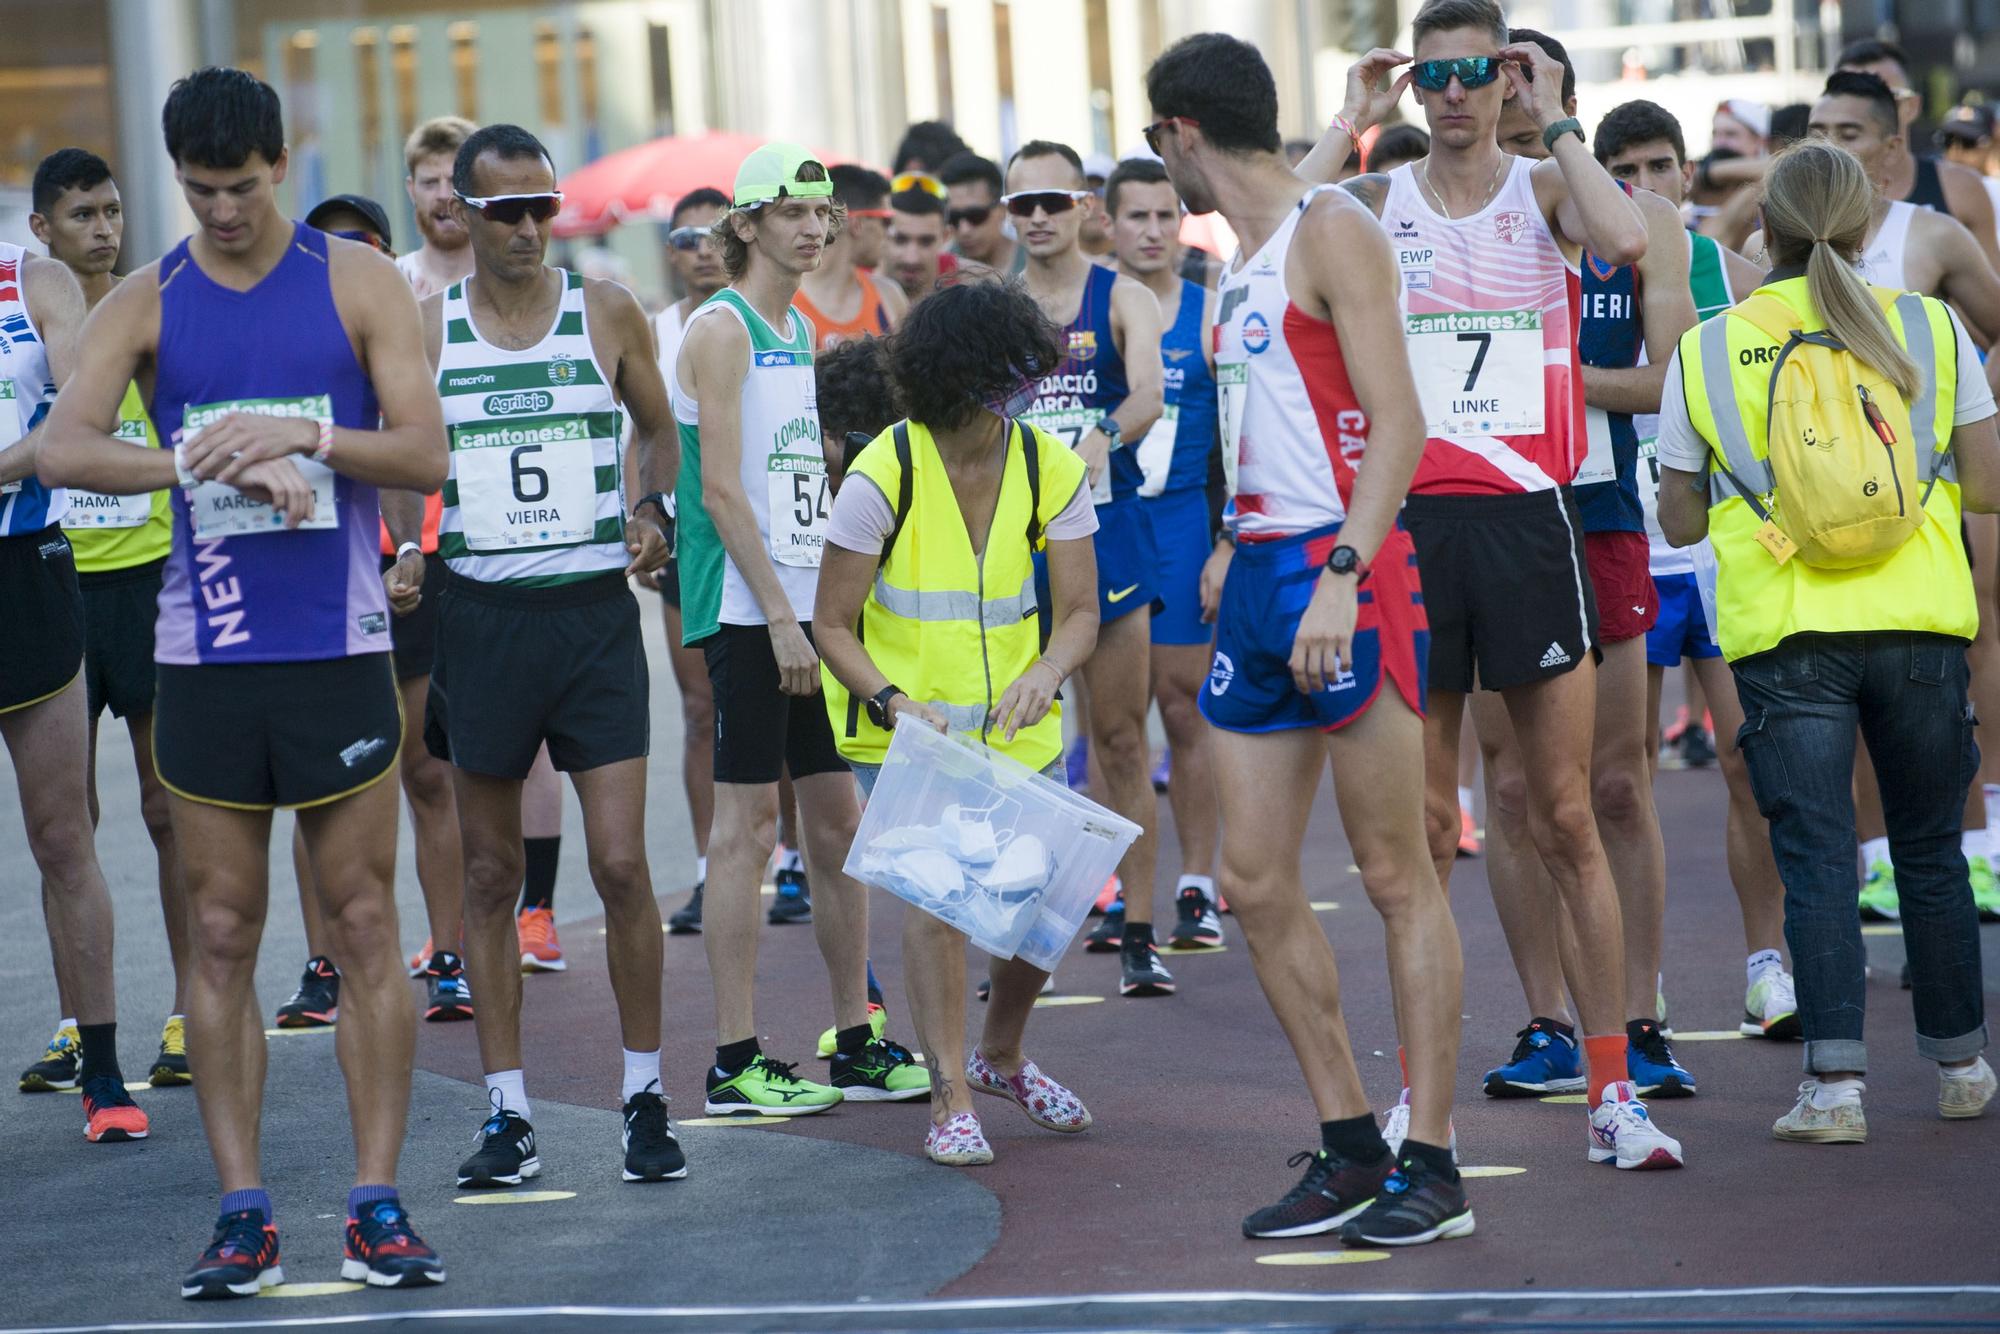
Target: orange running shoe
(541, 951)
(1107, 896)
(109, 1112)
(422, 958)
(1468, 834)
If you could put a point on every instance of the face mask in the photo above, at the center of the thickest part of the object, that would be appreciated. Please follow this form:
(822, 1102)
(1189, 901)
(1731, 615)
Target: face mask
(969, 836)
(1014, 401)
(1022, 869)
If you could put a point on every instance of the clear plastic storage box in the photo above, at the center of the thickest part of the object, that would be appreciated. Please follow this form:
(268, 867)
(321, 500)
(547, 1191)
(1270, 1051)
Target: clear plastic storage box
(983, 842)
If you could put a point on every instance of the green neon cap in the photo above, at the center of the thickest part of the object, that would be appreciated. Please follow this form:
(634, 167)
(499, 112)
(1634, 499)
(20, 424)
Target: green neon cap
(772, 173)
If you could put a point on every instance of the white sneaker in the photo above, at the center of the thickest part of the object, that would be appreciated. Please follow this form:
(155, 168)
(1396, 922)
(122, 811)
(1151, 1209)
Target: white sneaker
(1622, 1131)
(1396, 1128)
(1771, 1007)
(1959, 1099)
(1823, 1117)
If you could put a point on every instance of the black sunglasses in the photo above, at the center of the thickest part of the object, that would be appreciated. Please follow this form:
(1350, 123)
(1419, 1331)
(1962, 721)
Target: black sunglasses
(1472, 72)
(1151, 133)
(1051, 202)
(970, 217)
(510, 209)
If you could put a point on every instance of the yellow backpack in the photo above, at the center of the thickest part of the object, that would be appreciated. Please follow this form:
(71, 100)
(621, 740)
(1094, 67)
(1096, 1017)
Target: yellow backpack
(1841, 447)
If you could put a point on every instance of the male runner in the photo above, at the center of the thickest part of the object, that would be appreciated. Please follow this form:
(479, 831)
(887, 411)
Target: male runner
(916, 242)
(753, 511)
(1320, 639)
(1174, 457)
(1490, 248)
(973, 186)
(844, 297)
(1101, 400)
(119, 545)
(538, 634)
(250, 340)
(445, 256)
(1640, 143)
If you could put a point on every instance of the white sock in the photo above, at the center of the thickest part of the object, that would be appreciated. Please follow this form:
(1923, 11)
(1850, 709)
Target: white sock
(1976, 843)
(1828, 1095)
(1874, 850)
(790, 860)
(513, 1092)
(1465, 798)
(1763, 959)
(65, 1022)
(1204, 883)
(701, 870)
(641, 1069)
(1961, 1071)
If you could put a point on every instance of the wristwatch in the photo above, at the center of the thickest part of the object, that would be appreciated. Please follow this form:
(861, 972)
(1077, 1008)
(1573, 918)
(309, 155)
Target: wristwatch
(1344, 559)
(1567, 125)
(658, 500)
(878, 705)
(1112, 430)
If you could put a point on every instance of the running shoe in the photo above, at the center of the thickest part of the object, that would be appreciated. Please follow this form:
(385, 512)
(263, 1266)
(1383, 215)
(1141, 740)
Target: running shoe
(1198, 926)
(1660, 1005)
(1163, 772)
(959, 1142)
(1622, 1131)
(882, 1071)
(1468, 835)
(57, 1069)
(794, 901)
(1697, 750)
(170, 1067)
(1112, 893)
(1332, 1192)
(449, 996)
(1963, 1099)
(1652, 1068)
(316, 1003)
(422, 958)
(878, 1023)
(1771, 1007)
(110, 1115)
(766, 1088)
(1396, 1127)
(1047, 1103)
(686, 920)
(1109, 933)
(1985, 890)
(1878, 893)
(241, 1259)
(506, 1154)
(1142, 973)
(652, 1151)
(1076, 765)
(1810, 1123)
(384, 1251)
(541, 951)
(1544, 1061)
(1416, 1204)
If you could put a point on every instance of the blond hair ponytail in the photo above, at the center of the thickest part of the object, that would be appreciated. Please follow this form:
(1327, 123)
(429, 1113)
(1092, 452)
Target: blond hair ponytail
(1818, 204)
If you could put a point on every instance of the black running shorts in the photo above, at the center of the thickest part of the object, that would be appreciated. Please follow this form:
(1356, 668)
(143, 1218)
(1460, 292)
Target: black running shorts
(41, 617)
(413, 638)
(119, 608)
(761, 733)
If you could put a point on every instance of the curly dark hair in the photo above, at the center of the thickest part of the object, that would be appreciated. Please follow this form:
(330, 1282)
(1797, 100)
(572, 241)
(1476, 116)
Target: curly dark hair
(969, 343)
(855, 390)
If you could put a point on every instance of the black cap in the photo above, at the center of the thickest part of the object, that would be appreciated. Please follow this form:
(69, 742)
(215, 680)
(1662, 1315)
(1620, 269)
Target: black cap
(361, 204)
(1968, 124)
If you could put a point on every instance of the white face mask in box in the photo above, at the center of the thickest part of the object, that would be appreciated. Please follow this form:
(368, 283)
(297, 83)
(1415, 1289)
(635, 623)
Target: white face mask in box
(934, 874)
(968, 835)
(1022, 868)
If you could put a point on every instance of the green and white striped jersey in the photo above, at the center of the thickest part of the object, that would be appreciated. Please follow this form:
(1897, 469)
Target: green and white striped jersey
(534, 496)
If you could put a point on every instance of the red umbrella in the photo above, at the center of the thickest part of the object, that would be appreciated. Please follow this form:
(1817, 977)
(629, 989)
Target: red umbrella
(644, 181)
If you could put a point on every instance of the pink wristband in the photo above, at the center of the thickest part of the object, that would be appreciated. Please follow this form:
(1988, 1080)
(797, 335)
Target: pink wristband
(1346, 127)
(325, 449)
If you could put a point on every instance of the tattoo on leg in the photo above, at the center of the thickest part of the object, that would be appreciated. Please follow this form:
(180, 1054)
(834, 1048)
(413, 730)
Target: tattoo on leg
(940, 1085)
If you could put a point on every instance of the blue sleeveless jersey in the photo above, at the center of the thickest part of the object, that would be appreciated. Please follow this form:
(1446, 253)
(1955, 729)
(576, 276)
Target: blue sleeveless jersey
(1089, 383)
(268, 596)
(1190, 391)
(1611, 336)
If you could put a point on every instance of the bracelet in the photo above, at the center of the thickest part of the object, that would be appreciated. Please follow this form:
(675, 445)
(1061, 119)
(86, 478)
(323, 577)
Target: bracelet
(407, 548)
(1346, 127)
(1061, 675)
(182, 473)
(325, 449)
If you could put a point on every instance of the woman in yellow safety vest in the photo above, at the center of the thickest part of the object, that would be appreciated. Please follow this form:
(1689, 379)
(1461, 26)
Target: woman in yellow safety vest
(927, 609)
(1824, 641)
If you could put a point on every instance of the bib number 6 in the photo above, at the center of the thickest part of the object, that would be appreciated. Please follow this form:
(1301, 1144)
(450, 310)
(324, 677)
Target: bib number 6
(520, 472)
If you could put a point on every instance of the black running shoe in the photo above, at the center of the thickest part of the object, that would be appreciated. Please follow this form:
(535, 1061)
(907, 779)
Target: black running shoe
(1697, 751)
(652, 1153)
(506, 1153)
(1143, 973)
(1415, 1205)
(449, 997)
(686, 920)
(316, 1003)
(241, 1260)
(1332, 1191)
(384, 1251)
(1109, 933)
(794, 902)
(882, 1071)
(57, 1070)
(1198, 927)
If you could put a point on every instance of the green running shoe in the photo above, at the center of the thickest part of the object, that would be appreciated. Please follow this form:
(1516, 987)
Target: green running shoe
(1878, 893)
(880, 1072)
(767, 1088)
(1985, 890)
(878, 1024)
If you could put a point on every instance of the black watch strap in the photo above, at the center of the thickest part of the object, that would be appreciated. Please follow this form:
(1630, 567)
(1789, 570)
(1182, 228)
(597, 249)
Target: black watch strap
(878, 704)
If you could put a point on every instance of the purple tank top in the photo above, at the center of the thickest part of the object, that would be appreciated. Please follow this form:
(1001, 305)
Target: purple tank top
(262, 594)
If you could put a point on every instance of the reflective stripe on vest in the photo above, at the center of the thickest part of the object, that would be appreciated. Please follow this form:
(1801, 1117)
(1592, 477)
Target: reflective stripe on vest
(918, 604)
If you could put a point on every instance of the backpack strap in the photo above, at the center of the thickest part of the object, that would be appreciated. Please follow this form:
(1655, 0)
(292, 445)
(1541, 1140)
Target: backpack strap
(1739, 460)
(905, 489)
(1031, 455)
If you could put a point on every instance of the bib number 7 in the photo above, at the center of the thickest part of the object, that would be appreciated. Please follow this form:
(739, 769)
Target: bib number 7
(1479, 373)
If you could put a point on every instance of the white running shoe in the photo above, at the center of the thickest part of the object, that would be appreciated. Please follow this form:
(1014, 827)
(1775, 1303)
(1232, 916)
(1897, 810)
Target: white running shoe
(1622, 1131)
(1960, 1099)
(1771, 1007)
(1396, 1129)
(1823, 1117)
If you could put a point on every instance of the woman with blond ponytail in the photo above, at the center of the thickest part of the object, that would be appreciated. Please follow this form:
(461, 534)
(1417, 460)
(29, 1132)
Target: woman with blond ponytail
(1821, 651)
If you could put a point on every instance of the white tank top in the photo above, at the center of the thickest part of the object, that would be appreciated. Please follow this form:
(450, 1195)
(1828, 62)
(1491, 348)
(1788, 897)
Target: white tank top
(26, 506)
(1882, 259)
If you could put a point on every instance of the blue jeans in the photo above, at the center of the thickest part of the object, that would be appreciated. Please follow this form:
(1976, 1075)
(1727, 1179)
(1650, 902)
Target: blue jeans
(1802, 703)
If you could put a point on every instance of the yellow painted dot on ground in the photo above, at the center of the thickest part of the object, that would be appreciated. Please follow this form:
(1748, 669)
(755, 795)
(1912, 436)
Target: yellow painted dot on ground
(296, 1032)
(1322, 1257)
(1182, 953)
(734, 1121)
(141, 1087)
(1708, 1035)
(517, 1197)
(311, 1289)
(1045, 1002)
(1323, 905)
(1353, 869)
(1491, 1171)
(1565, 1097)
(1881, 929)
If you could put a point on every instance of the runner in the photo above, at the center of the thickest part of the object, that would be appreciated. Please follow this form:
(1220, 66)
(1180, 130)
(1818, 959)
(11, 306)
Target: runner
(844, 297)
(753, 508)
(1631, 313)
(538, 634)
(979, 230)
(917, 257)
(1101, 401)
(1320, 639)
(1174, 456)
(119, 544)
(1494, 241)
(445, 256)
(274, 681)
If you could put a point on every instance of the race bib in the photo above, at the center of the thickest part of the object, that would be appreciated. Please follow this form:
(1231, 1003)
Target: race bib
(217, 509)
(88, 510)
(1156, 451)
(1232, 379)
(10, 427)
(526, 486)
(1479, 373)
(798, 508)
(1599, 464)
(1071, 425)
